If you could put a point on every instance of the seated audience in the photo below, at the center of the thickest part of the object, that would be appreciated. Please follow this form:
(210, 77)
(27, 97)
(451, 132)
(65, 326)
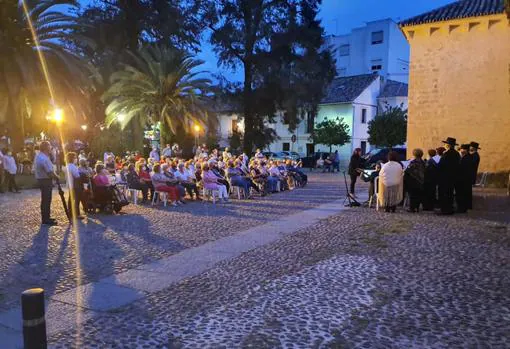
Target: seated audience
(211, 182)
(160, 183)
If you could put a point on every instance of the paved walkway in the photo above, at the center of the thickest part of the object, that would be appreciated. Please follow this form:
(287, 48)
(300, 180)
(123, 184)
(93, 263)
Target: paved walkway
(69, 305)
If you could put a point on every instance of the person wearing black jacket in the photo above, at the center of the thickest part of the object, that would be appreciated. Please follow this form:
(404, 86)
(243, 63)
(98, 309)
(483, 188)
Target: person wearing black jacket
(448, 174)
(463, 186)
(414, 180)
(430, 182)
(475, 157)
(354, 165)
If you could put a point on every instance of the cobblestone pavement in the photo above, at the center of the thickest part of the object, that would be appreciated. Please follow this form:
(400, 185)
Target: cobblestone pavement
(47, 257)
(360, 279)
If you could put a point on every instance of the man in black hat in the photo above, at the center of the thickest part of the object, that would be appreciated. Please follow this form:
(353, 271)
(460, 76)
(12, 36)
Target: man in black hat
(448, 173)
(463, 187)
(475, 157)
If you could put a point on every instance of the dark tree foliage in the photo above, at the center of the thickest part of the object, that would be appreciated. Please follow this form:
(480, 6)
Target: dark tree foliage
(388, 129)
(331, 132)
(278, 45)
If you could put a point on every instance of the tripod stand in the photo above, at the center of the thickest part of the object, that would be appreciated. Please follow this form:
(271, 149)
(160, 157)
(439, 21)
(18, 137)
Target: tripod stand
(349, 201)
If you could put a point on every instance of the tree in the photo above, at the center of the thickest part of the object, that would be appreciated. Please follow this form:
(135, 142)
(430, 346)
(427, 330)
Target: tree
(23, 86)
(331, 132)
(388, 129)
(162, 85)
(266, 39)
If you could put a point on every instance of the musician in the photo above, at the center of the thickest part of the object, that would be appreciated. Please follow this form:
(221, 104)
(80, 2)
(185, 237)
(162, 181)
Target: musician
(473, 151)
(448, 174)
(355, 168)
(463, 186)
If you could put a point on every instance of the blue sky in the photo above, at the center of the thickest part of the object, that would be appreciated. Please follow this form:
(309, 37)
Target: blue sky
(340, 16)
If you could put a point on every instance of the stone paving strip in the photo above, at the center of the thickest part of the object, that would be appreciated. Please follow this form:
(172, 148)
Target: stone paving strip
(68, 309)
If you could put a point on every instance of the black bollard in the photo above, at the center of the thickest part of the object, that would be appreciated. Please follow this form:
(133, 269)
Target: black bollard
(34, 323)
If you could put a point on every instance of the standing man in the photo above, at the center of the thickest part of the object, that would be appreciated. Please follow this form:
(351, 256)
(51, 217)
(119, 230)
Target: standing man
(354, 168)
(475, 157)
(44, 173)
(154, 154)
(107, 154)
(10, 168)
(463, 187)
(448, 174)
(167, 151)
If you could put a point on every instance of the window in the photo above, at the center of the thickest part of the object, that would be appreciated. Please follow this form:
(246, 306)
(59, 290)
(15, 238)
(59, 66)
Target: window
(376, 65)
(343, 50)
(363, 147)
(286, 147)
(363, 116)
(377, 37)
(342, 72)
(285, 118)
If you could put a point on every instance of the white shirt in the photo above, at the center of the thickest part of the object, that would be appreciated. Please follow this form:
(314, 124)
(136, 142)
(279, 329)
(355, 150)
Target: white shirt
(9, 164)
(155, 155)
(391, 173)
(72, 174)
(167, 152)
(106, 155)
(183, 176)
(436, 158)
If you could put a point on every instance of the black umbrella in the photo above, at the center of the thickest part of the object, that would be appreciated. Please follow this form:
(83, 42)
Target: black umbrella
(64, 202)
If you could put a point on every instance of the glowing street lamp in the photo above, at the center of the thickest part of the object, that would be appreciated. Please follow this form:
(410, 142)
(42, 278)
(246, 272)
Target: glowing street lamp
(121, 117)
(197, 132)
(58, 115)
(84, 127)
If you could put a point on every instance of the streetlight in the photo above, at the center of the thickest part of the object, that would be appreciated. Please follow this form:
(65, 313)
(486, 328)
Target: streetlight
(58, 115)
(121, 117)
(84, 127)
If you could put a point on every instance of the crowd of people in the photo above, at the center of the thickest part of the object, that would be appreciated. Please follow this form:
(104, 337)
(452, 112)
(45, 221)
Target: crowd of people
(165, 172)
(444, 180)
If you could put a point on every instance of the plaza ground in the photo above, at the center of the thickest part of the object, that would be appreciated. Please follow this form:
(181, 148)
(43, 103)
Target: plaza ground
(294, 269)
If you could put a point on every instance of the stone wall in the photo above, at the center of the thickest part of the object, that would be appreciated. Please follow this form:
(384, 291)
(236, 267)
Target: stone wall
(459, 86)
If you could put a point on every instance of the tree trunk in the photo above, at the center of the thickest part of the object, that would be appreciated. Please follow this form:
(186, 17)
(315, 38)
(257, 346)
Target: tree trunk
(137, 130)
(248, 114)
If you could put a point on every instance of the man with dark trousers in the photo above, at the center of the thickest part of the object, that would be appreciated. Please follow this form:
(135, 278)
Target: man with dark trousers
(354, 169)
(473, 151)
(45, 174)
(448, 174)
(463, 187)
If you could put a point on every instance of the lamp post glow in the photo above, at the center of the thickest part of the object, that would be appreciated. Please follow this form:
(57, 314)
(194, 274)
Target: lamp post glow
(84, 127)
(58, 116)
(121, 117)
(197, 131)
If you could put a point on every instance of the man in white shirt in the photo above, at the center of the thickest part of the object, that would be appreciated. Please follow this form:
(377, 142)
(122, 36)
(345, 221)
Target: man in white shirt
(167, 151)
(45, 174)
(154, 154)
(107, 154)
(186, 181)
(10, 169)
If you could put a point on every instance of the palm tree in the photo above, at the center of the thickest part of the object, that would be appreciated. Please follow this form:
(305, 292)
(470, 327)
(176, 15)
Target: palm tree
(161, 85)
(22, 81)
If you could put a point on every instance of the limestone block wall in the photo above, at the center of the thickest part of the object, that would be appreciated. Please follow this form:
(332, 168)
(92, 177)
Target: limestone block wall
(459, 86)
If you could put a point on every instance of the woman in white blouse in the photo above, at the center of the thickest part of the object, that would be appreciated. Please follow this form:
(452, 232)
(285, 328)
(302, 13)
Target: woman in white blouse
(391, 183)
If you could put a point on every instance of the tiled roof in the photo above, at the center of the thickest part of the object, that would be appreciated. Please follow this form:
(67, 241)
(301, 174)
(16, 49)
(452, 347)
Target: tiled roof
(394, 89)
(458, 9)
(346, 89)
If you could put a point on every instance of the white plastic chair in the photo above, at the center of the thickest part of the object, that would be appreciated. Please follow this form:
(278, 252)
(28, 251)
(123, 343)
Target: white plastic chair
(133, 193)
(162, 196)
(211, 192)
(483, 180)
(375, 196)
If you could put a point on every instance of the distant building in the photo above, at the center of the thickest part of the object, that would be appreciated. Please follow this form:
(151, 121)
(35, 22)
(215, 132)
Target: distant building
(354, 99)
(459, 83)
(378, 47)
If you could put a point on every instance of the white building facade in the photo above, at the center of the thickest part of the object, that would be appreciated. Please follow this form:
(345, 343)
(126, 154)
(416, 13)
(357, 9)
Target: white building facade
(379, 47)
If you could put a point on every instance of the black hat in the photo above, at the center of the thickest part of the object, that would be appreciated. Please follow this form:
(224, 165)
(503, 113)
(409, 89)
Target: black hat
(475, 145)
(450, 141)
(464, 146)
